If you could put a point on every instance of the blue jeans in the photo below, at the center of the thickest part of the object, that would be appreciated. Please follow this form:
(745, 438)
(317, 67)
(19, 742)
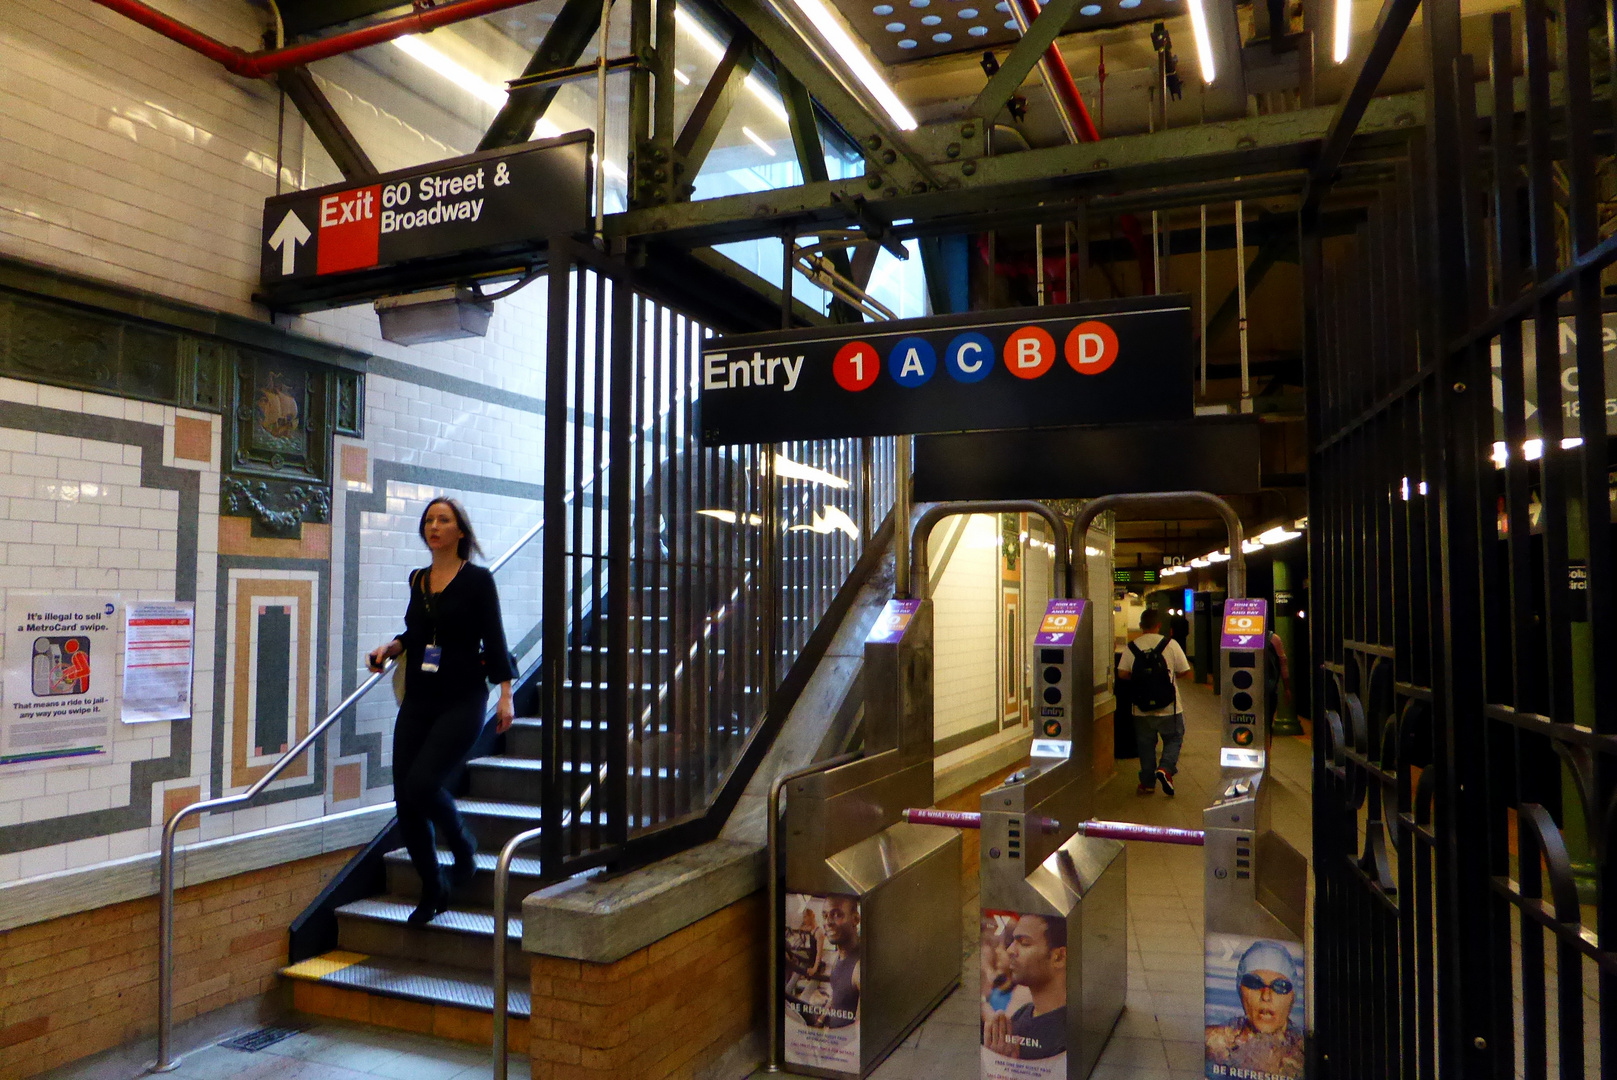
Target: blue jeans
(1146, 730)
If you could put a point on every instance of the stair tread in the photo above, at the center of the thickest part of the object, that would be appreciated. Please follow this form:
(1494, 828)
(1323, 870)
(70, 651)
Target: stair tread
(520, 867)
(519, 764)
(396, 909)
(413, 980)
(500, 808)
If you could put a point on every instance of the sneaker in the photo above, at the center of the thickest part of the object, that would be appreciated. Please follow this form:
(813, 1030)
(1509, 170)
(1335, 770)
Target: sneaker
(1165, 778)
(1146, 789)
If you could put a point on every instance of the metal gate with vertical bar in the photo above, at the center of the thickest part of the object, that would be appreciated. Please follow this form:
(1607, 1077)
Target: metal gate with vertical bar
(1462, 576)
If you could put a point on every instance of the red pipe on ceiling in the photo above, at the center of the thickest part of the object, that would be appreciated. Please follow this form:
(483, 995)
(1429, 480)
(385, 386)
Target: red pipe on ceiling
(1065, 90)
(262, 65)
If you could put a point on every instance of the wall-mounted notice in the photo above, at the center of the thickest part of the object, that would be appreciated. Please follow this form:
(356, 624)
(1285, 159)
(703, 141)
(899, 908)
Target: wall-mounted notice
(1024, 996)
(60, 676)
(822, 950)
(157, 661)
(1255, 1008)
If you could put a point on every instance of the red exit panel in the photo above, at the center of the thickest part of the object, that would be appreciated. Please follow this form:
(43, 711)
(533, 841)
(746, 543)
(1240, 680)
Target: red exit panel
(350, 230)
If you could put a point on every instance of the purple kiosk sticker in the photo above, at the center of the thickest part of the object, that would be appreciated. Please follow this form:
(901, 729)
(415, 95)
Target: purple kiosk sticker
(1060, 625)
(892, 622)
(1243, 623)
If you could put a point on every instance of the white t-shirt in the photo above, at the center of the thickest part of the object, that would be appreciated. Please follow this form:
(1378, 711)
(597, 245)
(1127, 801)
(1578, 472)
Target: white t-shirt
(1177, 664)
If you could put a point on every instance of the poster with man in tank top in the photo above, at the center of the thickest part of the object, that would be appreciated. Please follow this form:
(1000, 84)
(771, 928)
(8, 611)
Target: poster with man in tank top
(822, 951)
(1024, 997)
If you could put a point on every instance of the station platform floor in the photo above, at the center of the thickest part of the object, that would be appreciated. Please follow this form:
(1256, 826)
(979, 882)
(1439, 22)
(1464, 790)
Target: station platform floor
(1158, 1038)
(1161, 1033)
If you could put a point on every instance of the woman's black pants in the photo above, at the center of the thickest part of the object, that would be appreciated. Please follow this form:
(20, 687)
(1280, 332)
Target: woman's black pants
(431, 739)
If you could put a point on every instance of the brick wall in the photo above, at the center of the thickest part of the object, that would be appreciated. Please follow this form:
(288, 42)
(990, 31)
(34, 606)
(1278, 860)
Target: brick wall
(668, 1010)
(75, 986)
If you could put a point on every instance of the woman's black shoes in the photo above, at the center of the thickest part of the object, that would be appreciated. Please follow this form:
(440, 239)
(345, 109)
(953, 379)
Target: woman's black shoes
(434, 902)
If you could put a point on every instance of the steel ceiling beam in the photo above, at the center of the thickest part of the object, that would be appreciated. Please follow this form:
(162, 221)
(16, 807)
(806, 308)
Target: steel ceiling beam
(1120, 173)
(887, 153)
(712, 109)
(1391, 22)
(1021, 60)
(328, 127)
(576, 24)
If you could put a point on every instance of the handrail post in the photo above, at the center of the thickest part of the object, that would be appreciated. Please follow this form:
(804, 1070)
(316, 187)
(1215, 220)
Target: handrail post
(773, 858)
(502, 877)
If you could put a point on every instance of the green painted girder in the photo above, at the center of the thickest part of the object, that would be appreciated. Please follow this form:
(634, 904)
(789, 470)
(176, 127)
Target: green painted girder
(906, 170)
(1116, 170)
(1263, 150)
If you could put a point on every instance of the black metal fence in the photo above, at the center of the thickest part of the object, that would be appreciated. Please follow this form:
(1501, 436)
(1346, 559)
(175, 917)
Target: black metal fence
(680, 585)
(1463, 578)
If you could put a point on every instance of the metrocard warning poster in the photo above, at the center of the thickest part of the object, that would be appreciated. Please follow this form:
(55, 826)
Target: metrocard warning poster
(61, 665)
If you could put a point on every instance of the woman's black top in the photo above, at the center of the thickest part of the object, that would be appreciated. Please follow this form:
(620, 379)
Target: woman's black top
(465, 621)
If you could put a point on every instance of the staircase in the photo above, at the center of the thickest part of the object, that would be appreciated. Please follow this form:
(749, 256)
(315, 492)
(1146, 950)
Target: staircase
(438, 978)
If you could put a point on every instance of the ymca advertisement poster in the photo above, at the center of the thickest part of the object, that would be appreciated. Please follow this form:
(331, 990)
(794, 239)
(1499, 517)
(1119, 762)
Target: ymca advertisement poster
(61, 673)
(821, 967)
(1255, 1008)
(1023, 994)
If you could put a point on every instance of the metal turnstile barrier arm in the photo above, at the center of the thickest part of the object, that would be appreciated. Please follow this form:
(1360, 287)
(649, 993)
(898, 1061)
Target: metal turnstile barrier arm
(1106, 830)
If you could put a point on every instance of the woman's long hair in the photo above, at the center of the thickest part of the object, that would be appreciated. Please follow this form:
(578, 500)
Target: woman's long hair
(468, 539)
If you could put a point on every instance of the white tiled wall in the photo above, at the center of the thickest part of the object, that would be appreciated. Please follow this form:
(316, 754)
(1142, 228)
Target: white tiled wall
(965, 613)
(74, 516)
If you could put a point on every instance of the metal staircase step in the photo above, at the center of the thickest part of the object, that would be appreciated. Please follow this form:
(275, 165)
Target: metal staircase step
(413, 980)
(459, 938)
(402, 879)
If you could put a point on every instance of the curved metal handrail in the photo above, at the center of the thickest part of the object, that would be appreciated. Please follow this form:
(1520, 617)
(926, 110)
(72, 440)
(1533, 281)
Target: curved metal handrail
(165, 864)
(920, 585)
(1235, 586)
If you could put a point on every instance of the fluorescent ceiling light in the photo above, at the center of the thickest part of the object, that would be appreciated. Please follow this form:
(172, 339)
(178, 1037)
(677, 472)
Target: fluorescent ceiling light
(1571, 444)
(1091, 551)
(1533, 449)
(710, 45)
(729, 517)
(1249, 546)
(435, 61)
(831, 28)
(788, 469)
(1217, 556)
(1344, 30)
(756, 141)
(1278, 535)
(682, 78)
(1204, 40)
(1200, 562)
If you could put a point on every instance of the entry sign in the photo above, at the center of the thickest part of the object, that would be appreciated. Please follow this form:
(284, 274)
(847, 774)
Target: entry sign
(497, 199)
(1060, 625)
(1244, 623)
(1053, 366)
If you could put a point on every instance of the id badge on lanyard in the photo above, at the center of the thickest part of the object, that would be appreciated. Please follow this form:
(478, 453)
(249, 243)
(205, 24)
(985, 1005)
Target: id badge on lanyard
(431, 655)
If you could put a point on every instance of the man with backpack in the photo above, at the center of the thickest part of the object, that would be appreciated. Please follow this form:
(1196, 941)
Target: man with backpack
(1152, 664)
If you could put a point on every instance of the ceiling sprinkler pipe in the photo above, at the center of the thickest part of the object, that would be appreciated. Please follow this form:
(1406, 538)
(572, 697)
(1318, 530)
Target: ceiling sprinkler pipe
(262, 65)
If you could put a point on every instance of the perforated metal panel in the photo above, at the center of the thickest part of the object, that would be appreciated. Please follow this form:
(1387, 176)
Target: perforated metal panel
(901, 30)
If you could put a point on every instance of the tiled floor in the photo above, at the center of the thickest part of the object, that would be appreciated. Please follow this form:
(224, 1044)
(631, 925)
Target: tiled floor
(333, 1050)
(1161, 1032)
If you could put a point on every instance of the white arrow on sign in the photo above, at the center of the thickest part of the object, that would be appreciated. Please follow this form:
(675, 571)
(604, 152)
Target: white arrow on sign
(287, 236)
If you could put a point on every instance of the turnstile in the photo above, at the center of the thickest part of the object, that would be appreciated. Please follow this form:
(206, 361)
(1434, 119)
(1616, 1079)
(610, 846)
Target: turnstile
(871, 905)
(1054, 923)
